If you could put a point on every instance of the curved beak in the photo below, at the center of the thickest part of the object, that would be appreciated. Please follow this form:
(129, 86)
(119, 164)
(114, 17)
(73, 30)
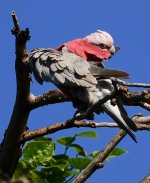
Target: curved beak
(112, 50)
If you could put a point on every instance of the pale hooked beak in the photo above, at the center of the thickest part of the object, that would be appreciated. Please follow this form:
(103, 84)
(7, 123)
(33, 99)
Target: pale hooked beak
(112, 50)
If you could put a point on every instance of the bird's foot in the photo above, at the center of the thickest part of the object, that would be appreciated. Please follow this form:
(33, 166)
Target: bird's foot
(83, 115)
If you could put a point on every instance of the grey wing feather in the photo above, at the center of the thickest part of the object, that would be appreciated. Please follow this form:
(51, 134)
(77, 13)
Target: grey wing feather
(62, 64)
(61, 68)
(53, 67)
(107, 73)
(60, 77)
(58, 66)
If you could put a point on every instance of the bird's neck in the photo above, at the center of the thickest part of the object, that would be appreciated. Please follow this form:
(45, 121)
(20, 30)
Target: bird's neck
(86, 50)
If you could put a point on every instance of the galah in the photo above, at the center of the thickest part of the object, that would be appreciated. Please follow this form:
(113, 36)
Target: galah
(76, 69)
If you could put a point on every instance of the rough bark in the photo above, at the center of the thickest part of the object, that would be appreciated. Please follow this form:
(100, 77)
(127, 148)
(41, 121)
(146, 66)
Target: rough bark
(146, 179)
(10, 148)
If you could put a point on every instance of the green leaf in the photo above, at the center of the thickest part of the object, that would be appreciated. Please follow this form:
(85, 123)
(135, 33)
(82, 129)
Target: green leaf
(60, 157)
(55, 175)
(116, 152)
(89, 134)
(39, 152)
(59, 164)
(35, 176)
(79, 149)
(66, 140)
(79, 163)
(94, 153)
(43, 139)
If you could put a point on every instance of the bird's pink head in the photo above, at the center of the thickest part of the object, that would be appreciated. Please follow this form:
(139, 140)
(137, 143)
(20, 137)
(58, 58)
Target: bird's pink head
(98, 45)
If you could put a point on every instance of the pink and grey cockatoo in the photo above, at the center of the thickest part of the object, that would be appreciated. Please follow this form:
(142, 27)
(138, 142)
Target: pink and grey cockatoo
(76, 69)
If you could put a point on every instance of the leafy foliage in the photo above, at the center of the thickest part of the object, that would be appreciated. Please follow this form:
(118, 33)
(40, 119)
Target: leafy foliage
(40, 164)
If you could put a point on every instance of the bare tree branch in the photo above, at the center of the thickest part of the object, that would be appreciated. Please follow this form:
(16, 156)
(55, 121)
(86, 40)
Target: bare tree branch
(94, 165)
(145, 105)
(131, 98)
(146, 179)
(10, 148)
(51, 97)
(135, 98)
(119, 81)
(140, 119)
(141, 122)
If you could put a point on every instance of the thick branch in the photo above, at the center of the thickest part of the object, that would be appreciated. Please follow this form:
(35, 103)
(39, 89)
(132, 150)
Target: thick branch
(93, 166)
(131, 98)
(146, 179)
(145, 105)
(119, 81)
(135, 98)
(141, 122)
(10, 150)
(51, 97)
(54, 128)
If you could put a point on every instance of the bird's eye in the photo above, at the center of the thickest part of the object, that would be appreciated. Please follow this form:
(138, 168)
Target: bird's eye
(103, 46)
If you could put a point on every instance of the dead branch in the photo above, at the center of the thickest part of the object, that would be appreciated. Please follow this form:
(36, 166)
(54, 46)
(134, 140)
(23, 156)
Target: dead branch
(51, 97)
(141, 122)
(119, 81)
(145, 105)
(131, 98)
(146, 179)
(92, 167)
(139, 119)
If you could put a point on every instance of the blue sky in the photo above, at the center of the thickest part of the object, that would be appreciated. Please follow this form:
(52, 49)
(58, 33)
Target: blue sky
(54, 22)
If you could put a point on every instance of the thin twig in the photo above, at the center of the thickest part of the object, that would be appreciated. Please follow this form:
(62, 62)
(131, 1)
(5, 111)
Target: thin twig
(119, 81)
(139, 119)
(93, 108)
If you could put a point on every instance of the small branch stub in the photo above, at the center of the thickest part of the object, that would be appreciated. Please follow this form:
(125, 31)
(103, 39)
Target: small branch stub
(16, 28)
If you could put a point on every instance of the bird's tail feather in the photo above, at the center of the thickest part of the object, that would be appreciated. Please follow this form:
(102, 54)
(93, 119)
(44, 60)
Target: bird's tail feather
(121, 118)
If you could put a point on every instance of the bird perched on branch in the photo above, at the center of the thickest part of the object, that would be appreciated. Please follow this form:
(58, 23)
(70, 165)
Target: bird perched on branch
(76, 69)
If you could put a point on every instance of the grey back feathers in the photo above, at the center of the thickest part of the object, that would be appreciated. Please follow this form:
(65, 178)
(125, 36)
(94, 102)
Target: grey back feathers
(65, 68)
(87, 82)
